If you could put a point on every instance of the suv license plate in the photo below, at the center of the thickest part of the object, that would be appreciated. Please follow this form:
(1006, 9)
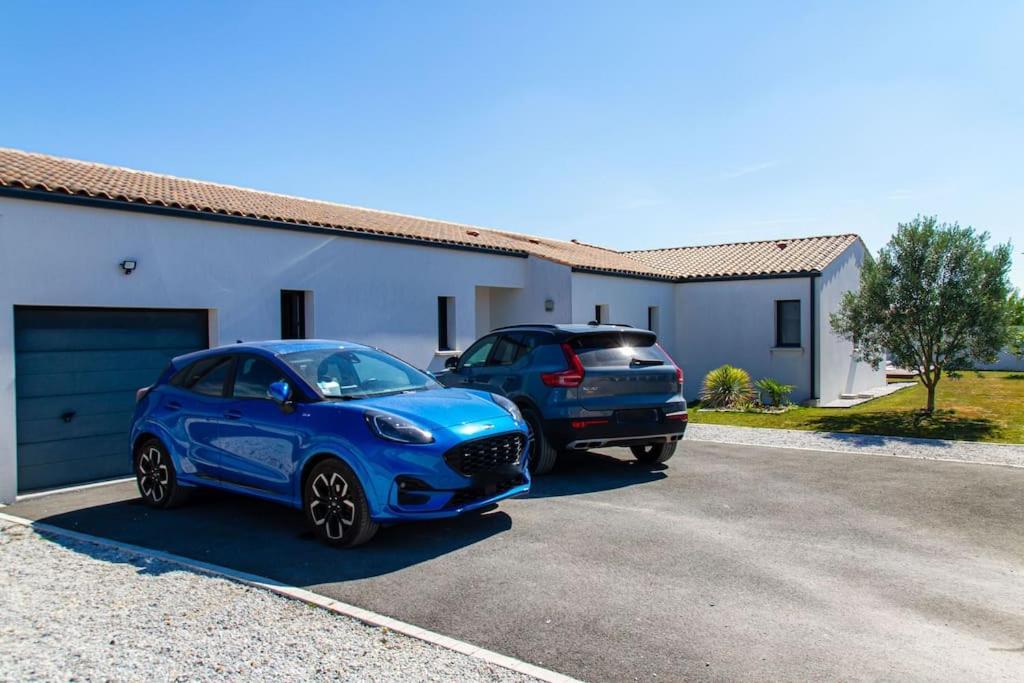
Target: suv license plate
(637, 416)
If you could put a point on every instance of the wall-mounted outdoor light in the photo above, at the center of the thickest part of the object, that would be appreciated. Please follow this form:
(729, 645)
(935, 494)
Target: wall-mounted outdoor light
(549, 305)
(129, 265)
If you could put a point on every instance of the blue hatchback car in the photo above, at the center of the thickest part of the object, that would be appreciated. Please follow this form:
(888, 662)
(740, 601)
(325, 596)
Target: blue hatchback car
(350, 434)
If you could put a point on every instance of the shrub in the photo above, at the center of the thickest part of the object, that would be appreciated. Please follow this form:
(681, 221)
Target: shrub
(776, 390)
(727, 387)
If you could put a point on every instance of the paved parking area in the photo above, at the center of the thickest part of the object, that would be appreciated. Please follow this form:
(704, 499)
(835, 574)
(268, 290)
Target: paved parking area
(734, 562)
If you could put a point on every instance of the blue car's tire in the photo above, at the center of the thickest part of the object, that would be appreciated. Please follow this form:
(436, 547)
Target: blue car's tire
(335, 505)
(542, 454)
(155, 476)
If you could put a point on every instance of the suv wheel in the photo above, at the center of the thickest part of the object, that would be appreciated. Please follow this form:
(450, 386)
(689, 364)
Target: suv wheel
(654, 453)
(336, 505)
(155, 476)
(542, 455)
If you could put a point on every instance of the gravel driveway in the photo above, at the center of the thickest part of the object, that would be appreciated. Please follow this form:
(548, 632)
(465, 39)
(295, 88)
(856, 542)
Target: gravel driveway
(867, 444)
(77, 611)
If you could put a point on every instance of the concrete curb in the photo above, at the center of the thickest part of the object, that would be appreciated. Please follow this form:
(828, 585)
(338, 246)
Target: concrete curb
(308, 597)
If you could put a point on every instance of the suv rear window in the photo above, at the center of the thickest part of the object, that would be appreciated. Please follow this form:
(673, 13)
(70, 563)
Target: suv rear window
(618, 349)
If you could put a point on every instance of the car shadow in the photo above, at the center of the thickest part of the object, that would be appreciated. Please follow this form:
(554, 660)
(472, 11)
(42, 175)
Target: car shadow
(263, 538)
(592, 471)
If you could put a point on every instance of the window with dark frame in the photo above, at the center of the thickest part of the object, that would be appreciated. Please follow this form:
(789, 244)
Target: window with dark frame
(601, 314)
(293, 314)
(652, 319)
(445, 334)
(787, 323)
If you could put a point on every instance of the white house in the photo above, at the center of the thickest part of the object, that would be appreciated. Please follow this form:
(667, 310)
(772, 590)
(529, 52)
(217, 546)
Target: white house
(106, 272)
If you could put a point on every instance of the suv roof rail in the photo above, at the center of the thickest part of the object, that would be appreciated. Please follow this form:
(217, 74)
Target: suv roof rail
(510, 327)
(594, 323)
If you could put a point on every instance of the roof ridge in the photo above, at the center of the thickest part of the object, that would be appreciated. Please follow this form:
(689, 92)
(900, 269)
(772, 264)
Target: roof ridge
(729, 244)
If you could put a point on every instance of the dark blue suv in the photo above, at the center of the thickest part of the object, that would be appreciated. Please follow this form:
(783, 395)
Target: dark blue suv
(580, 387)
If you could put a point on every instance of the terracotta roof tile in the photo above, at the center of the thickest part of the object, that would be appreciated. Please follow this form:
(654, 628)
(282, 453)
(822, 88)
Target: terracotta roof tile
(45, 173)
(739, 259)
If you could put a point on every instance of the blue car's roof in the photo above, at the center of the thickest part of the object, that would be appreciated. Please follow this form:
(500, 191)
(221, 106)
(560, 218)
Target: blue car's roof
(273, 347)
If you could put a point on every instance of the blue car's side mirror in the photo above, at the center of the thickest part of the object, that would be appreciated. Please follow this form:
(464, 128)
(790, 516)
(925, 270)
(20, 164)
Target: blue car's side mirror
(280, 391)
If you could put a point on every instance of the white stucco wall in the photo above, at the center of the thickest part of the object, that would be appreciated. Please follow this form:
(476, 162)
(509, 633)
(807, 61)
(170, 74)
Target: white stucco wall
(733, 321)
(543, 280)
(627, 300)
(377, 292)
(838, 371)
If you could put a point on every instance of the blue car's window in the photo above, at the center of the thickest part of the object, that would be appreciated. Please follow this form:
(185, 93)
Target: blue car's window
(254, 377)
(357, 373)
(211, 383)
(617, 349)
(511, 348)
(477, 354)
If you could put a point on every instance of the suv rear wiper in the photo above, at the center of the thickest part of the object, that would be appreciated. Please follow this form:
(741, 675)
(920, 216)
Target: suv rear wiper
(645, 363)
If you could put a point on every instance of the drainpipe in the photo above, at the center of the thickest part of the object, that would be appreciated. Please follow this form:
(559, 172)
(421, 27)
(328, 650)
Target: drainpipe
(814, 331)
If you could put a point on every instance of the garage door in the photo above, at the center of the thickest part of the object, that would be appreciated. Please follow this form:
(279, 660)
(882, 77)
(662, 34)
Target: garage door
(76, 372)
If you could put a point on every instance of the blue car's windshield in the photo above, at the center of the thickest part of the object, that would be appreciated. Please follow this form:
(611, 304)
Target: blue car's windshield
(357, 373)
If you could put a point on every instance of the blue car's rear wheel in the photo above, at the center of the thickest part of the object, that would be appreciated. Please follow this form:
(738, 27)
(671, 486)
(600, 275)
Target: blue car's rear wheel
(155, 476)
(336, 506)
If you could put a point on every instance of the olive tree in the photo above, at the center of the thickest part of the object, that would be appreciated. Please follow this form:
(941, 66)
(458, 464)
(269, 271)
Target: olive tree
(934, 299)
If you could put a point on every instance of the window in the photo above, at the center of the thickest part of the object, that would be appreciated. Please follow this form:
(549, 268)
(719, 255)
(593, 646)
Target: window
(618, 350)
(787, 323)
(357, 373)
(445, 323)
(211, 382)
(293, 314)
(511, 348)
(653, 319)
(254, 377)
(477, 353)
(601, 313)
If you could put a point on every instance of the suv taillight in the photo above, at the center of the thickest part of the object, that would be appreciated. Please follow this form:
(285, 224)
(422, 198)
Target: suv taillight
(679, 370)
(571, 377)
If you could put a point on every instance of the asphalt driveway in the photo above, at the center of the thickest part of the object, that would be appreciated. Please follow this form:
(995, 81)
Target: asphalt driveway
(734, 562)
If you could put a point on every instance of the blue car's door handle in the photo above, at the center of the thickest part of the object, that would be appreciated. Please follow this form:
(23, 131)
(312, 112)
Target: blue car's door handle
(172, 405)
(233, 415)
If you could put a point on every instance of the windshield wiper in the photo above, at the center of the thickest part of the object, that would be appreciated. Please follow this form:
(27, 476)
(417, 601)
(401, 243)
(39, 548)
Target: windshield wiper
(646, 363)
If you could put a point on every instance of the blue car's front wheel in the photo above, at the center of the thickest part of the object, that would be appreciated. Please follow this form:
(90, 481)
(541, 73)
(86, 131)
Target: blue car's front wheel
(336, 506)
(155, 476)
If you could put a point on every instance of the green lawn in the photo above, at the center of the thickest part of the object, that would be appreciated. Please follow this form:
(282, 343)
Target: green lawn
(986, 406)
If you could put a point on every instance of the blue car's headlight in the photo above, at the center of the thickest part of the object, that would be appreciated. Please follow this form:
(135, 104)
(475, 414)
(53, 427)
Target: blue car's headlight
(394, 428)
(508, 405)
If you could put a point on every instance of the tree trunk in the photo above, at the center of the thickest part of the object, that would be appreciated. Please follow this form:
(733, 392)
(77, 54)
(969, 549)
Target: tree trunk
(931, 399)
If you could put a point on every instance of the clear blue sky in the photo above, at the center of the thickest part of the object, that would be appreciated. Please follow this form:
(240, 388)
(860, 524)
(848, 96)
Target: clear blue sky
(631, 125)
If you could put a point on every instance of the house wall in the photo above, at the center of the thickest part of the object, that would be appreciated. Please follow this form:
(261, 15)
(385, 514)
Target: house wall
(838, 371)
(627, 300)
(372, 291)
(733, 321)
(543, 280)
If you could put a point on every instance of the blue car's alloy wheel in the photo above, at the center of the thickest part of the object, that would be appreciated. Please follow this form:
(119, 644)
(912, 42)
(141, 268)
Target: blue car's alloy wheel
(336, 505)
(155, 476)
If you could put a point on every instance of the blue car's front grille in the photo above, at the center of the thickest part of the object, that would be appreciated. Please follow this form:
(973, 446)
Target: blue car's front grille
(486, 455)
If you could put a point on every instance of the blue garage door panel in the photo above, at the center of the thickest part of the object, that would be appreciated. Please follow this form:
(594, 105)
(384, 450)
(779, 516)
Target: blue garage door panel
(77, 370)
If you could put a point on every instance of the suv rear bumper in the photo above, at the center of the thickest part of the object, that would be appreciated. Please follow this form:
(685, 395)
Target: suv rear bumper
(563, 434)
